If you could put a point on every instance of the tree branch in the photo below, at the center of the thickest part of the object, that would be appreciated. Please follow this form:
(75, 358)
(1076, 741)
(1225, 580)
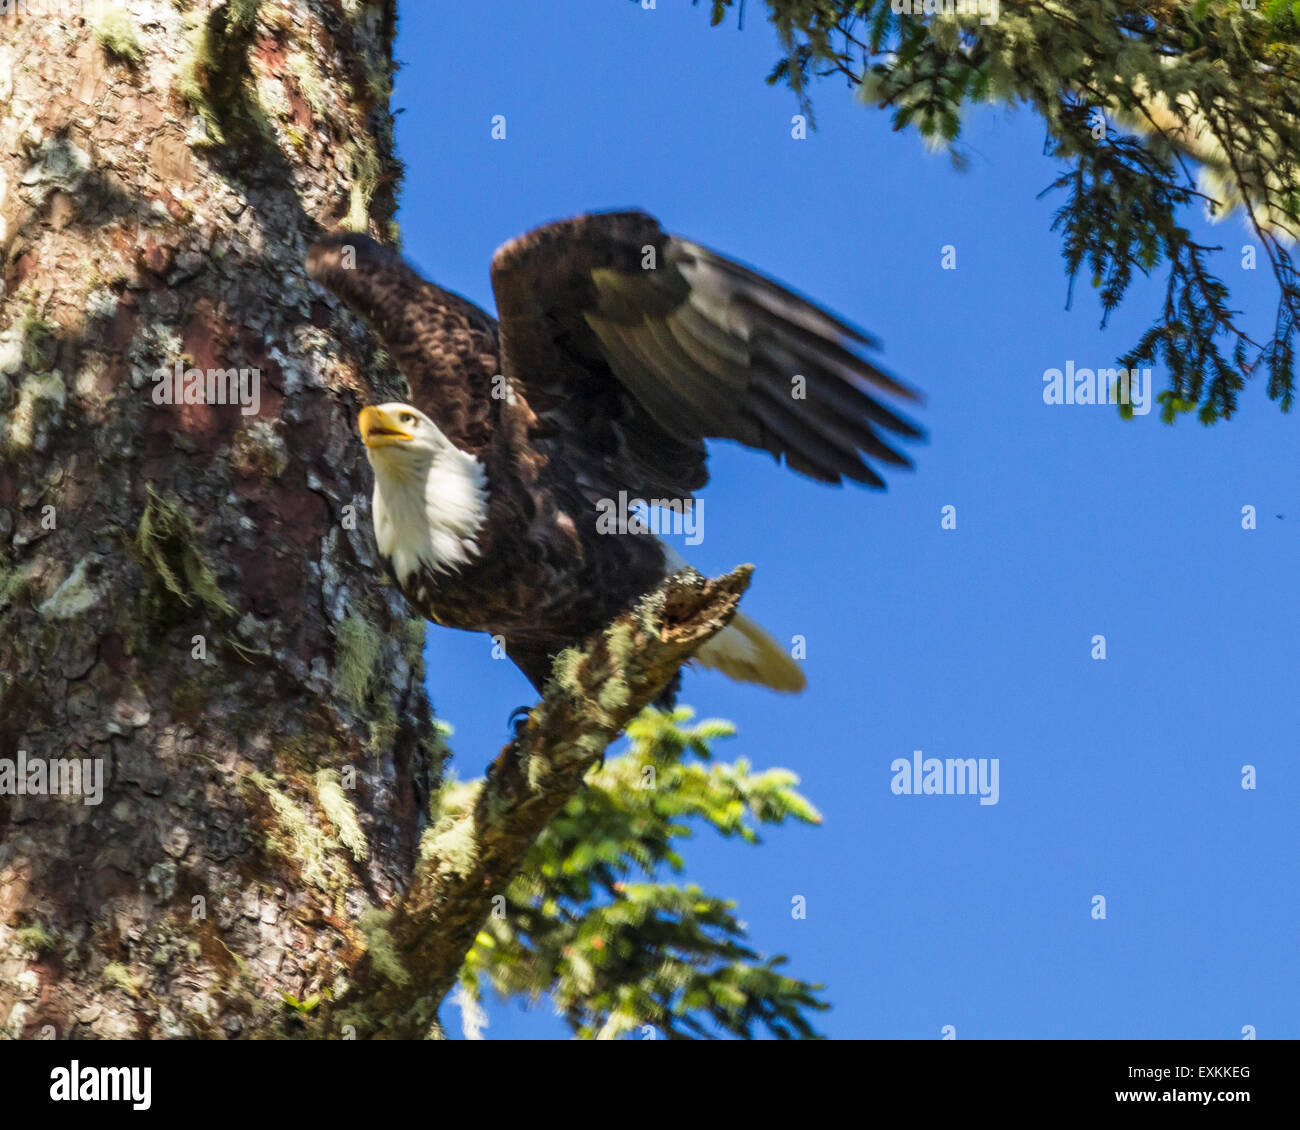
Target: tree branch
(417, 947)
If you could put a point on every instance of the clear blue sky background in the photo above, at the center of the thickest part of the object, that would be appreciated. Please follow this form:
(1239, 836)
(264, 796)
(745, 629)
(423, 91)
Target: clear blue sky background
(1120, 778)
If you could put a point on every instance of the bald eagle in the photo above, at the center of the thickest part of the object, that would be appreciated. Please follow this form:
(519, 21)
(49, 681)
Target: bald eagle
(618, 351)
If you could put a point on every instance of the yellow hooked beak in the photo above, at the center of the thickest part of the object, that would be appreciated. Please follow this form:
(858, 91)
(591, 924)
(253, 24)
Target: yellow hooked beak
(380, 429)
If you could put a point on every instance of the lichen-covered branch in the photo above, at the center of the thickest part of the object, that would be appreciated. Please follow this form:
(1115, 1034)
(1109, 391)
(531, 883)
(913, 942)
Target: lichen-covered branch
(416, 948)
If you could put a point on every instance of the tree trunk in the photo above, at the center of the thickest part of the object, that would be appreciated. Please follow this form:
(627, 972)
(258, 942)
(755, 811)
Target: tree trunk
(216, 751)
(188, 591)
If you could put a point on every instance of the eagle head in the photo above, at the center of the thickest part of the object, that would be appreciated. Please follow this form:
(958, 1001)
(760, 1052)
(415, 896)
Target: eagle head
(388, 425)
(430, 497)
(403, 444)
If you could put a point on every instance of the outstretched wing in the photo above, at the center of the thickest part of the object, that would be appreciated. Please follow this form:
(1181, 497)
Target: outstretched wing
(637, 346)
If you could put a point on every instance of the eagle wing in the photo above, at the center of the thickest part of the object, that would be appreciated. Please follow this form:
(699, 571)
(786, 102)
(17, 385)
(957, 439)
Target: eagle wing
(633, 346)
(444, 345)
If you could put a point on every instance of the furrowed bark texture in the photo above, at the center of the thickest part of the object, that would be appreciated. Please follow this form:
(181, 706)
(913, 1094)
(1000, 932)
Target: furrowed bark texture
(189, 595)
(188, 592)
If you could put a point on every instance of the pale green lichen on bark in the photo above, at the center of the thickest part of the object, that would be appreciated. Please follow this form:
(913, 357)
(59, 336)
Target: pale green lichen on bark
(379, 946)
(621, 641)
(365, 172)
(120, 977)
(614, 695)
(76, 595)
(41, 397)
(34, 939)
(166, 542)
(338, 809)
(452, 846)
(259, 450)
(211, 77)
(358, 677)
(358, 653)
(294, 836)
(14, 581)
(566, 670)
(115, 31)
(28, 350)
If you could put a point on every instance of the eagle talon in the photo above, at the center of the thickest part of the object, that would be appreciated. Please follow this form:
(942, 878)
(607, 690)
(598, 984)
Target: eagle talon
(519, 720)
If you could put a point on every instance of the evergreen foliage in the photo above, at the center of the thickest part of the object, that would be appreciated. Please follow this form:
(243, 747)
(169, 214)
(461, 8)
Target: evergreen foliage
(589, 922)
(1149, 105)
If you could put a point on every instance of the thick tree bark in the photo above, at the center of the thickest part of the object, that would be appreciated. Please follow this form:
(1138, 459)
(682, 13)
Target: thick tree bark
(188, 593)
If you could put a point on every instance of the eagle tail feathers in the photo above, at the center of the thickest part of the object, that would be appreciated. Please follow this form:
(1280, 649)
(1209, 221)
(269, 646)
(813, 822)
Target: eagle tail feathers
(746, 653)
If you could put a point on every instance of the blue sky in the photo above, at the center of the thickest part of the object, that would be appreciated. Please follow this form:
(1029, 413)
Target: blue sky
(1118, 777)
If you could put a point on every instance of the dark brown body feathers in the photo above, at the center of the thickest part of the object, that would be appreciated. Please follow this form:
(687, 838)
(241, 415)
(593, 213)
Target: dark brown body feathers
(619, 351)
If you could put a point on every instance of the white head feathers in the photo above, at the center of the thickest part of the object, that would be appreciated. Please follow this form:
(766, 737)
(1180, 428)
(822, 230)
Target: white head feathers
(430, 497)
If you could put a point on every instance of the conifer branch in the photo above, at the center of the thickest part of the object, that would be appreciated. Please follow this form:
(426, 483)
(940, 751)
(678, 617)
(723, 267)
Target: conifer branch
(417, 947)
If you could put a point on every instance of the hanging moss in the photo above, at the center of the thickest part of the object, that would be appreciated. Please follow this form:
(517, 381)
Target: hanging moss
(34, 939)
(166, 544)
(294, 837)
(338, 808)
(116, 34)
(358, 652)
(40, 341)
(13, 584)
(379, 944)
(383, 728)
(310, 84)
(212, 76)
(365, 182)
(117, 975)
(356, 677)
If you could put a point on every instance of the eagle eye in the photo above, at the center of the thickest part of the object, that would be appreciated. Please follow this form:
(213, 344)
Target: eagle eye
(407, 418)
